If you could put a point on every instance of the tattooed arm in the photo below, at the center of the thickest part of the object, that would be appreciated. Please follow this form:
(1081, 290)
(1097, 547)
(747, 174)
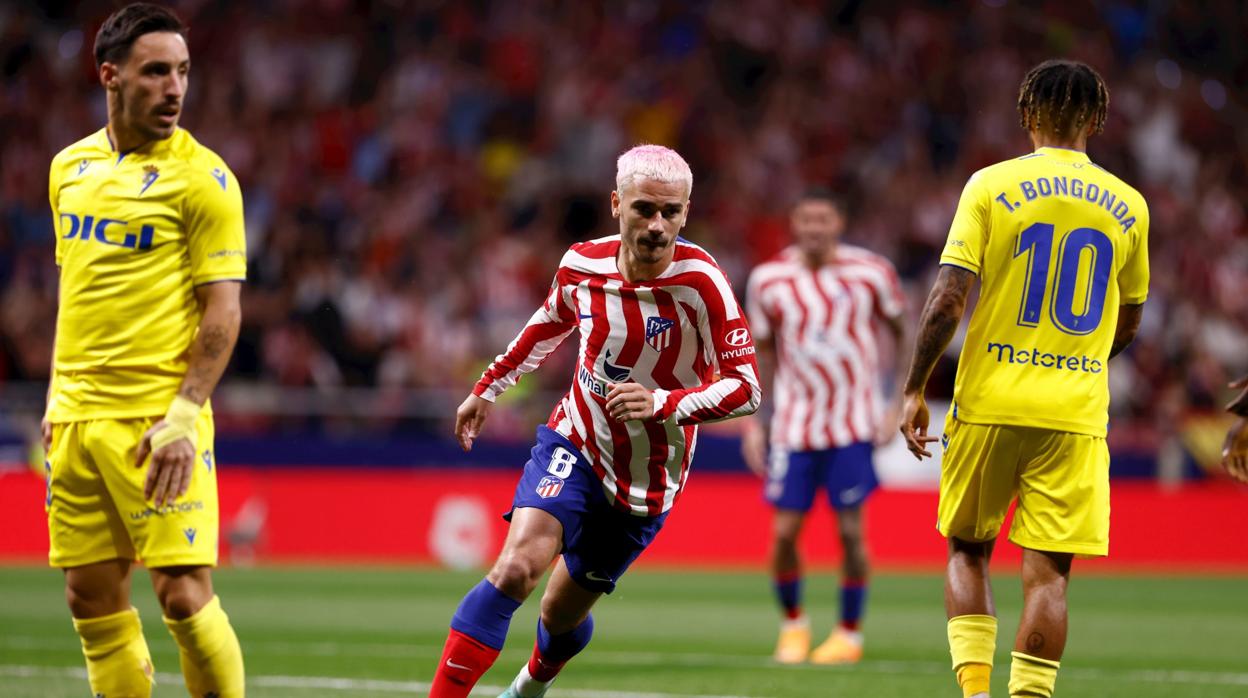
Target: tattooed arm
(940, 319)
(171, 441)
(218, 330)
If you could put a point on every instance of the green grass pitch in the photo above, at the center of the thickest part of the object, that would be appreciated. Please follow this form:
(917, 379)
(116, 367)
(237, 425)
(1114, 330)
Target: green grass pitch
(663, 634)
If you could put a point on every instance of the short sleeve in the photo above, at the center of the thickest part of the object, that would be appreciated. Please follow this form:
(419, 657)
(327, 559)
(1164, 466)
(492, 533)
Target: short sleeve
(54, 190)
(760, 324)
(214, 226)
(890, 302)
(1133, 279)
(968, 235)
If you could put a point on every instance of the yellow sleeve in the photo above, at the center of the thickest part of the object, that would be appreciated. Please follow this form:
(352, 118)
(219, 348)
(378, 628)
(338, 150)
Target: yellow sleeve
(214, 226)
(54, 187)
(1133, 279)
(968, 235)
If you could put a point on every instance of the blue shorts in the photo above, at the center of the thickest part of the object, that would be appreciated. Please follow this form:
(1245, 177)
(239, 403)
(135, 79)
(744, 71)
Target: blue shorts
(599, 541)
(846, 472)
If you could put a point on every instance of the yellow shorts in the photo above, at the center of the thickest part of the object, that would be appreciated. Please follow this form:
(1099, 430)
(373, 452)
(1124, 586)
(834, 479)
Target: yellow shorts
(1061, 481)
(95, 504)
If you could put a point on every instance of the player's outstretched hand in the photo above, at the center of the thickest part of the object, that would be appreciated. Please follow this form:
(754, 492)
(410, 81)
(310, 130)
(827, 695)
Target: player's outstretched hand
(469, 419)
(1239, 405)
(1235, 450)
(754, 446)
(627, 401)
(172, 466)
(914, 419)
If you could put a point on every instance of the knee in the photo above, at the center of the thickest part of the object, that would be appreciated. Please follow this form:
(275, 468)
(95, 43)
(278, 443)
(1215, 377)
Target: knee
(85, 601)
(515, 575)
(559, 618)
(786, 531)
(181, 596)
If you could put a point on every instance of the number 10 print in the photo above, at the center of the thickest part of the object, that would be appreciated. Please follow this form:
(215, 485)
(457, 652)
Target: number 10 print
(1077, 304)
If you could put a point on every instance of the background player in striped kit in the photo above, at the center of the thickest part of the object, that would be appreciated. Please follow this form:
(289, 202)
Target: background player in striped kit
(814, 311)
(664, 347)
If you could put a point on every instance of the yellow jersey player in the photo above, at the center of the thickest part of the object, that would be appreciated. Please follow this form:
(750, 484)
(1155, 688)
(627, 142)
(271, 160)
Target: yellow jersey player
(150, 244)
(1235, 447)
(1060, 249)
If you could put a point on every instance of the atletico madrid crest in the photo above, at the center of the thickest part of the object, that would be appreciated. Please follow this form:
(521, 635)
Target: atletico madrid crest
(659, 332)
(549, 487)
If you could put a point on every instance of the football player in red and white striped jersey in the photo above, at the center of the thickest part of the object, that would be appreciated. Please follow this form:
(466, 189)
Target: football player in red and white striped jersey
(816, 311)
(664, 347)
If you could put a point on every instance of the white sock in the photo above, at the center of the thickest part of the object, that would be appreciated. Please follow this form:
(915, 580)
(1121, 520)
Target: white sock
(526, 686)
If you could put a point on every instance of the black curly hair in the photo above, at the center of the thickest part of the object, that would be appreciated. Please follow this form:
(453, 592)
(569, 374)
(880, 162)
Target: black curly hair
(1062, 98)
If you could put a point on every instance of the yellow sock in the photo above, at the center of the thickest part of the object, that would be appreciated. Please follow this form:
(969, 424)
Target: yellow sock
(212, 661)
(1032, 676)
(972, 642)
(118, 663)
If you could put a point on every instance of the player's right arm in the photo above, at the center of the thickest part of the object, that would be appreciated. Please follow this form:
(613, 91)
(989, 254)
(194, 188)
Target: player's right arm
(544, 332)
(1239, 405)
(1235, 450)
(54, 187)
(961, 262)
(941, 315)
(754, 427)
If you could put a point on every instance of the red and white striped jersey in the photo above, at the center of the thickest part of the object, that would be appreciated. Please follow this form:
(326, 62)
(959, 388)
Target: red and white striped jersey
(682, 335)
(827, 354)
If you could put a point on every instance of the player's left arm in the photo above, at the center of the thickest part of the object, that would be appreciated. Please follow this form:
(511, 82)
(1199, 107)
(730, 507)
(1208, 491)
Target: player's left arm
(1129, 317)
(216, 242)
(734, 392)
(1132, 284)
(890, 305)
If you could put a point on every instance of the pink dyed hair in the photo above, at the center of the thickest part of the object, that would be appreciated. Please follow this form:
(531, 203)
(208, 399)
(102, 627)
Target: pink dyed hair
(653, 162)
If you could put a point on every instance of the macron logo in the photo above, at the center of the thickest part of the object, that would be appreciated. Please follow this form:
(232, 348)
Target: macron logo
(219, 175)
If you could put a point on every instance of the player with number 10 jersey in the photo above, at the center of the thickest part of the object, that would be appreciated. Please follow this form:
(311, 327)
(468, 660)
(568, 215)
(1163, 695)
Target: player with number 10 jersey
(1058, 244)
(1060, 247)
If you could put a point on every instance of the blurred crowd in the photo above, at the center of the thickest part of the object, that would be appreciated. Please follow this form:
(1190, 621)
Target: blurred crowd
(412, 171)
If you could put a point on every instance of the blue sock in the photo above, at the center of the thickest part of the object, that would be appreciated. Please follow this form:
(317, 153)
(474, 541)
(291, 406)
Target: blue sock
(561, 648)
(789, 591)
(484, 614)
(853, 599)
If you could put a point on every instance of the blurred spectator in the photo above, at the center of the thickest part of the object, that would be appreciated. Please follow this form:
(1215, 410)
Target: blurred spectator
(411, 168)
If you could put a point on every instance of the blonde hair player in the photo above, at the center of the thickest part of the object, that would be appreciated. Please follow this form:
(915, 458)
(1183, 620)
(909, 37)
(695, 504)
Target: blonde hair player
(612, 458)
(151, 250)
(1060, 248)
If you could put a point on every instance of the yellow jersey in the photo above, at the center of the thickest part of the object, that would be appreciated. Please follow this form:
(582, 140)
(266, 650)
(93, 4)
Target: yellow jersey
(1058, 244)
(135, 233)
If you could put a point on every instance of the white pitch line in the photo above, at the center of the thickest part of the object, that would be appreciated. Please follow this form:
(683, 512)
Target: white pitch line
(690, 659)
(335, 683)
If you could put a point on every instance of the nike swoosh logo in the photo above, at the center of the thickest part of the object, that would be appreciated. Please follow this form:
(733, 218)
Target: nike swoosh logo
(453, 665)
(594, 577)
(851, 494)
